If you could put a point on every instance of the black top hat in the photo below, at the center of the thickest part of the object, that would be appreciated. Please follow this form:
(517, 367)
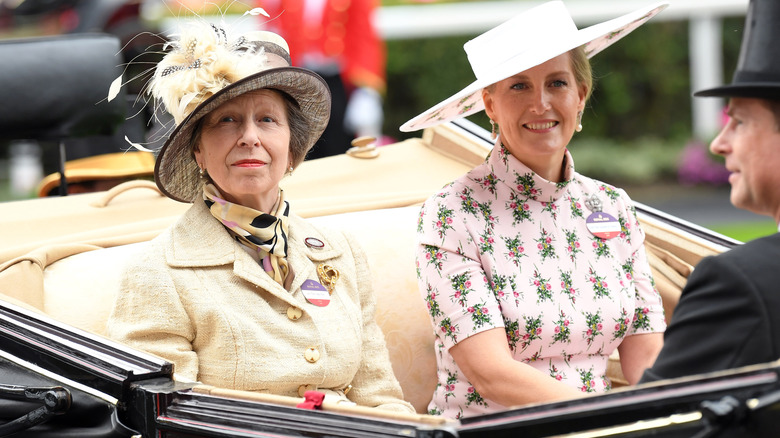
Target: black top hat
(758, 68)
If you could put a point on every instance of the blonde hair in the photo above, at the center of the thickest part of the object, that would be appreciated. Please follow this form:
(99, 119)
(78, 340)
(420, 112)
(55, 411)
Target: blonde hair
(580, 65)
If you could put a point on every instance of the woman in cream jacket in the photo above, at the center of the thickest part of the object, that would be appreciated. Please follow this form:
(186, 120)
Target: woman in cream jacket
(241, 293)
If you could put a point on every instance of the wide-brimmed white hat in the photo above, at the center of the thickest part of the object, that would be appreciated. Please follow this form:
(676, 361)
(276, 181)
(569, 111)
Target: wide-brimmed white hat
(527, 40)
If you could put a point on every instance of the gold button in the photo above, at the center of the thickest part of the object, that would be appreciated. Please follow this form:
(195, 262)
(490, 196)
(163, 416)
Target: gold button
(303, 388)
(312, 355)
(294, 313)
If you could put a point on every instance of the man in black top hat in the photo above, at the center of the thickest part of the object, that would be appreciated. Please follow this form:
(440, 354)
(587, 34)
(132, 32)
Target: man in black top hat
(729, 312)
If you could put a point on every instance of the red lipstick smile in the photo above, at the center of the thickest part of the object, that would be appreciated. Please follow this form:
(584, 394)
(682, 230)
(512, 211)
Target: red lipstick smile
(249, 163)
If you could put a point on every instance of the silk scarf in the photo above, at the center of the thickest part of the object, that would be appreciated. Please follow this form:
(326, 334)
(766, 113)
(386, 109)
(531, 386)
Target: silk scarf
(263, 232)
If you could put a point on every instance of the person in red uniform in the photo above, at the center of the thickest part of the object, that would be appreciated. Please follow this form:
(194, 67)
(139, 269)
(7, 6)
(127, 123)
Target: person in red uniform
(338, 40)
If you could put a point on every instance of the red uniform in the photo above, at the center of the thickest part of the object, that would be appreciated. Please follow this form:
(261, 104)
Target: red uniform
(337, 31)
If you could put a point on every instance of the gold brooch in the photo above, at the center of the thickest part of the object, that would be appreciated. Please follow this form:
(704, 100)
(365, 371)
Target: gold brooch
(328, 276)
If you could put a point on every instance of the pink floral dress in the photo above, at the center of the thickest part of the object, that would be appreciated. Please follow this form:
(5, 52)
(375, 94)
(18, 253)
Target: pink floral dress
(503, 247)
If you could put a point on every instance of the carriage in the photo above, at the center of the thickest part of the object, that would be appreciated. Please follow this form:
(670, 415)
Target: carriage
(59, 265)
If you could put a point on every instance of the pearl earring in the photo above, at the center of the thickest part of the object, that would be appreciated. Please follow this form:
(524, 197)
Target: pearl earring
(579, 122)
(493, 130)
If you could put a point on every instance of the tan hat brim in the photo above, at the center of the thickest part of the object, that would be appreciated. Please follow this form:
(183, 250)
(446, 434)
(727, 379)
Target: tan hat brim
(176, 172)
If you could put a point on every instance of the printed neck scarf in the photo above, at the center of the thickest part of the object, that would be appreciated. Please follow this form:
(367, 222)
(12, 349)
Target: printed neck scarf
(265, 233)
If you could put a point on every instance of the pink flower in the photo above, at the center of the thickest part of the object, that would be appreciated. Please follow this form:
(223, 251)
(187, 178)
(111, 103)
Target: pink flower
(557, 329)
(438, 255)
(547, 286)
(548, 240)
(578, 205)
(491, 240)
(617, 327)
(589, 332)
(595, 244)
(513, 205)
(571, 290)
(471, 310)
(428, 256)
(536, 283)
(645, 310)
(467, 284)
(569, 248)
(604, 283)
(449, 220)
(563, 284)
(539, 331)
(520, 249)
(566, 323)
(539, 246)
(592, 279)
(526, 336)
(599, 327)
(438, 224)
(474, 204)
(577, 244)
(511, 254)
(484, 310)
(559, 377)
(457, 294)
(584, 388)
(471, 389)
(526, 207)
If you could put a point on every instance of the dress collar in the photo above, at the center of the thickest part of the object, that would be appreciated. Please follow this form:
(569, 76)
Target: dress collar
(524, 181)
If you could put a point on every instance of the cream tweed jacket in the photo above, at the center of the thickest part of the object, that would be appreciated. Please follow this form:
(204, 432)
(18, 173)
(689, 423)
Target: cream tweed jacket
(199, 300)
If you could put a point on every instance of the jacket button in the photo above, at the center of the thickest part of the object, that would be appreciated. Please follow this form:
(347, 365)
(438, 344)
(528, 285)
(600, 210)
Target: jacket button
(312, 355)
(303, 388)
(294, 313)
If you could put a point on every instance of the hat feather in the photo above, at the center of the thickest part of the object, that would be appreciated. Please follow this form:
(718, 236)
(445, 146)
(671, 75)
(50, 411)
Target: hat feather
(203, 61)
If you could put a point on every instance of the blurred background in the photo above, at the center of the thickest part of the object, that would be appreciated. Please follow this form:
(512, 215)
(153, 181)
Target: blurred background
(642, 130)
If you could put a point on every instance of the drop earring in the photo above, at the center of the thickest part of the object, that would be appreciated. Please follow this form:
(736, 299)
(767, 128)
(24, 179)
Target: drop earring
(493, 130)
(290, 170)
(579, 122)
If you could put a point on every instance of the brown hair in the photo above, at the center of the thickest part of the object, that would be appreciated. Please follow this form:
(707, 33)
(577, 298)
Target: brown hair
(299, 127)
(774, 106)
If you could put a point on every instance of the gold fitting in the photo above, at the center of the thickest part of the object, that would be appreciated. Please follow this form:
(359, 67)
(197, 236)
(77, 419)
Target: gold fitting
(363, 147)
(328, 276)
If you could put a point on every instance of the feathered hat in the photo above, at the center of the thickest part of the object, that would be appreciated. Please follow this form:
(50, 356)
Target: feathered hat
(205, 68)
(525, 41)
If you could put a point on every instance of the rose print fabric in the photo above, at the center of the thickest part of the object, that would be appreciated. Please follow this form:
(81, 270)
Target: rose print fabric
(503, 247)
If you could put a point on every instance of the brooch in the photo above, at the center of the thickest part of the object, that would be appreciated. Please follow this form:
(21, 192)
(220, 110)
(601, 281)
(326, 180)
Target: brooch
(328, 276)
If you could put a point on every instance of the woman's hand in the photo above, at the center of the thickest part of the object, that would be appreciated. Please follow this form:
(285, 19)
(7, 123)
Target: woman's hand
(488, 364)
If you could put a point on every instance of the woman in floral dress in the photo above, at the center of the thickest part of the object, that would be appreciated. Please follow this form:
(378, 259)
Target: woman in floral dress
(533, 274)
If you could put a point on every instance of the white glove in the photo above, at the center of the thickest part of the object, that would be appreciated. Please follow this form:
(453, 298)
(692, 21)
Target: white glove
(364, 113)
